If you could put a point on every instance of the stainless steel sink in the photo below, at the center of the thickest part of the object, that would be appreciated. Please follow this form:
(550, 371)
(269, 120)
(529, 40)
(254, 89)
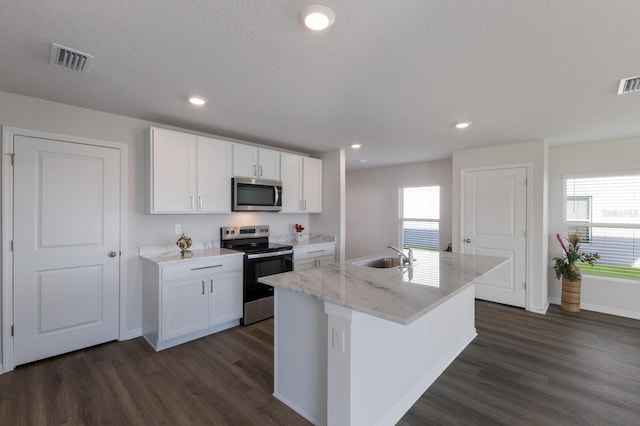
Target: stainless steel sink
(380, 262)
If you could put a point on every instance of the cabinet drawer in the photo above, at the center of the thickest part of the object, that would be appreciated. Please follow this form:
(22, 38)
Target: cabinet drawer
(314, 251)
(196, 268)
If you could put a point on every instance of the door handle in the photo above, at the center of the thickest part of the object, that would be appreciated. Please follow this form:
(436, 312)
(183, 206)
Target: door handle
(467, 240)
(112, 253)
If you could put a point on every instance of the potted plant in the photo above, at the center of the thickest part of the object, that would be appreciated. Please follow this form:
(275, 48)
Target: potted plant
(299, 228)
(565, 267)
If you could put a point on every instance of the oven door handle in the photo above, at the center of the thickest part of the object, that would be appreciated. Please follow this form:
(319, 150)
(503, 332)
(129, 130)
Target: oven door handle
(270, 254)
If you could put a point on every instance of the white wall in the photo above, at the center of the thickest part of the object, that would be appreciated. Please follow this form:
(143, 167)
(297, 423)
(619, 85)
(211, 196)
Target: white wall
(332, 219)
(610, 295)
(372, 204)
(36, 114)
(535, 155)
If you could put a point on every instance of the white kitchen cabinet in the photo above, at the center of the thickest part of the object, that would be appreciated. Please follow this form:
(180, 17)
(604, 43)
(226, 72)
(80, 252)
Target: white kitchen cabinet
(183, 309)
(225, 303)
(312, 185)
(253, 162)
(301, 184)
(185, 173)
(189, 299)
(313, 256)
(214, 176)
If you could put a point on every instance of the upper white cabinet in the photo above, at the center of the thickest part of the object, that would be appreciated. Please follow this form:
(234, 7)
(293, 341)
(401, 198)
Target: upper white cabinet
(186, 173)
(214, 176)
(253, 162)
(312, 184)
(301, 184)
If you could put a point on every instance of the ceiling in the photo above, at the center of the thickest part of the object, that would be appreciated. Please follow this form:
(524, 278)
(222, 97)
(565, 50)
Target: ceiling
(394, 76)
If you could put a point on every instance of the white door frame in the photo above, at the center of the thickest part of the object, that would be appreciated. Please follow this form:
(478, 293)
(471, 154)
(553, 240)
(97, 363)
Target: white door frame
(528, 167)
(6, 232)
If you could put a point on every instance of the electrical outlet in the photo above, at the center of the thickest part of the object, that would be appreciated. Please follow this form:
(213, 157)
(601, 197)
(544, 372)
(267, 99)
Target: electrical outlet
(178, 230)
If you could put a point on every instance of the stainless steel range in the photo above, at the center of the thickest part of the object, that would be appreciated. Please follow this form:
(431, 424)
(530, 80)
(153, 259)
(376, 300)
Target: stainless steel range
(261, 258)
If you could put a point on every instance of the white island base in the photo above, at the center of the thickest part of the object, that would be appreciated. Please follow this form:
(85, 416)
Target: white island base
(336, 366)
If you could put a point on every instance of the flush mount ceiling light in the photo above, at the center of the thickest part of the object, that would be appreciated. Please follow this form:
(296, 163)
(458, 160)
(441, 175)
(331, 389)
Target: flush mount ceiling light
(317, 17)
(197, 100)
(355, 145)
(463, 125)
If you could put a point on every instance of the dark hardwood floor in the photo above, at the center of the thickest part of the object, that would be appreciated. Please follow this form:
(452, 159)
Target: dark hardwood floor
(523, 368)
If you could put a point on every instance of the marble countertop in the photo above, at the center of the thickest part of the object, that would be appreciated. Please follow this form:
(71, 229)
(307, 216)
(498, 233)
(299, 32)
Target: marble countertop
(397, 294)
(168, 258)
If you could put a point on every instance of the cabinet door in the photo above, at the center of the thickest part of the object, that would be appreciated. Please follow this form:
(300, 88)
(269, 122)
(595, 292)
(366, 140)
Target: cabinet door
(183, 308)
(268, 164)
(304, 264)
(291, 174)
(225, 298)
(173, 175)
(214, 176)
(245, 160)
(312, 185)
(325, 260)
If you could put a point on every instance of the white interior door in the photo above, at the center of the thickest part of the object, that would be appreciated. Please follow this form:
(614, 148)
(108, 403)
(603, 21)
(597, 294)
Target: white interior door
(66, 246)
(494, 224)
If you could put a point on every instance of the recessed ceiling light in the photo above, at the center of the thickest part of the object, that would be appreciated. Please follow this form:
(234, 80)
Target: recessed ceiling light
(317, 17)
(356, 145)
(197, 100)
(463, 125)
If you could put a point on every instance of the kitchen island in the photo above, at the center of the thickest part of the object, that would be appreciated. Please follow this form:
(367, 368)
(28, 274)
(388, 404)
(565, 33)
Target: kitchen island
(358, 345)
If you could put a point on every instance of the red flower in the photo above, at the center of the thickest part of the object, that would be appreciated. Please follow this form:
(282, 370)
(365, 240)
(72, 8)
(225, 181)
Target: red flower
(299, 228)
(561, 243)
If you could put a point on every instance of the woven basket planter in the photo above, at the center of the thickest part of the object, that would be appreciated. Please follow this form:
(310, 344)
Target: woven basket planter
(571, 294)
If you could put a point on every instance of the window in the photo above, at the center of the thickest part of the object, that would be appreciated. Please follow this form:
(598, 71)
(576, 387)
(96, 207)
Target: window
(605, 210)
(420, 217)
(578, 210)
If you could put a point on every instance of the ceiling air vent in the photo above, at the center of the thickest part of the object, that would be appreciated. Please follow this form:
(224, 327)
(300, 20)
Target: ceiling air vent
(628, 85)
(70, 59)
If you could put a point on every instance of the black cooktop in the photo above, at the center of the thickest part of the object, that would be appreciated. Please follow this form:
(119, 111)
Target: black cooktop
(255, 246)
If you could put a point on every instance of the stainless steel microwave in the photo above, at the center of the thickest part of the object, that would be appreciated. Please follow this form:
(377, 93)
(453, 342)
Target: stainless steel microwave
(257, 195)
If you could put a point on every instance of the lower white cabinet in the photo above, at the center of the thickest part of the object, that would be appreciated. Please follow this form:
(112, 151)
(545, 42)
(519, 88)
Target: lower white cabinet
(313, 256)
(186, 300)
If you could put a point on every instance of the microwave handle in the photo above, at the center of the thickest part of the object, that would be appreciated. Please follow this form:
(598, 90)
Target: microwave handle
(275, 188)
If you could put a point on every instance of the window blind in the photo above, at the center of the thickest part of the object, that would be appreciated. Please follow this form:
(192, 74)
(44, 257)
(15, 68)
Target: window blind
(420, 217)
(605, 211)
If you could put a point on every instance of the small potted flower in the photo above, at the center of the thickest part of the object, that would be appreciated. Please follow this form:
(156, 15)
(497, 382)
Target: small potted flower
(565, 267)
(299, 228)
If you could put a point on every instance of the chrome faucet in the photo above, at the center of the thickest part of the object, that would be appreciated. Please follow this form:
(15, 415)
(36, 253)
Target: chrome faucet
(404, 259)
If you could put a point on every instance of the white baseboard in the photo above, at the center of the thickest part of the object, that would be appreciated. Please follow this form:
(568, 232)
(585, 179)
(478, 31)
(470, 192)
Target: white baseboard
(132, 334)
(297, 409)
(602, 309)
(412, 396)
(539, 309)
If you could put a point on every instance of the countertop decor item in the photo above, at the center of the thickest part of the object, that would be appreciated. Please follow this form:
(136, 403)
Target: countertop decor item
(183, 244)
(565, 267)
(299, 228)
